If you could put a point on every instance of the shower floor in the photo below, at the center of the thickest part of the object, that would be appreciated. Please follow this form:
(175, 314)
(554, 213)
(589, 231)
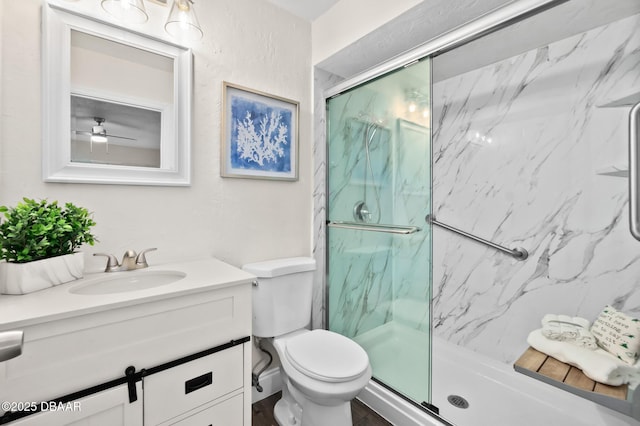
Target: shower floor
(497, 395)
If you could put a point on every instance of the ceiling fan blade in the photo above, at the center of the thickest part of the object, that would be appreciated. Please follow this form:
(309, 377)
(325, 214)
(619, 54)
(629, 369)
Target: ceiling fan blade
(120, 137)
(78, 132)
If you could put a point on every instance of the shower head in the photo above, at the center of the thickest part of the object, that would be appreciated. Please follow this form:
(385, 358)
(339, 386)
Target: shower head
(378, 124)
(370, 119)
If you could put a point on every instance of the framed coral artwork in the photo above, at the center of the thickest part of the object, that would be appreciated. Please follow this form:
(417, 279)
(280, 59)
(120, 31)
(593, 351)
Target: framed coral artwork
(259, 135)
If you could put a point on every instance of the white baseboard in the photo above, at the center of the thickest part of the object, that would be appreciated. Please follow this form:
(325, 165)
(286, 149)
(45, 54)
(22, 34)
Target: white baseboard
(271, 383)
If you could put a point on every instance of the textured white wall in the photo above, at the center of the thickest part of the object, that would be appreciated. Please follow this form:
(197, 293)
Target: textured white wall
(247, 42)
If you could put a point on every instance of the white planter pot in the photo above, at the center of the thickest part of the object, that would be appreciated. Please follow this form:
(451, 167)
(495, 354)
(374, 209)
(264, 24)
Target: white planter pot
(23, 278)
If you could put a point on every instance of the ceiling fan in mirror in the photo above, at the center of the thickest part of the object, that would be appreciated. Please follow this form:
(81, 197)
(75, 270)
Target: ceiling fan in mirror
(99, 134)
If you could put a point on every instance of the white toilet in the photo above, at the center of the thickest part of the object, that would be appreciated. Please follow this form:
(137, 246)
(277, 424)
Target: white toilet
(322, 371)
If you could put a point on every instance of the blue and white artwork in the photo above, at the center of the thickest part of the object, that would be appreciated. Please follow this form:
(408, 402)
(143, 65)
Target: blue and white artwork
(260, 135)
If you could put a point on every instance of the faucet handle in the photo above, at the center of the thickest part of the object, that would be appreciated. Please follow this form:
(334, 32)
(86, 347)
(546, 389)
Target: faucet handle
(141, 260)
(112, 262)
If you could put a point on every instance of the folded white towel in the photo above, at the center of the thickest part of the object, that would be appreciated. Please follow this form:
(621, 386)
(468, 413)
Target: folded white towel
(563, 328)
(577, 321)
(598, 364)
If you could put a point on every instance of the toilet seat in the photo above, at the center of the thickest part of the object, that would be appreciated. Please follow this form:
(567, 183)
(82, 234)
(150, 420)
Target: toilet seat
(326, 356)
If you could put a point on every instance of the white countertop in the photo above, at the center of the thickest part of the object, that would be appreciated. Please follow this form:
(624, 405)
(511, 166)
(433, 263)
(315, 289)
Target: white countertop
(58, 302)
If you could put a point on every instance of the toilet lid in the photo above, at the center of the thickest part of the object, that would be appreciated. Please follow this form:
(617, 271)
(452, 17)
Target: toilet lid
(326, 356)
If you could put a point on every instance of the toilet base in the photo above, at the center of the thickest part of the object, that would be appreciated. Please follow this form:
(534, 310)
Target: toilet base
(300, 411)
(284, 414)
(322, 415)
(287, 411)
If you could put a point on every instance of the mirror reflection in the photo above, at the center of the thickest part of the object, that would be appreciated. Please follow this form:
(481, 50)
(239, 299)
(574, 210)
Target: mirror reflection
(110, 133)
(118, 96)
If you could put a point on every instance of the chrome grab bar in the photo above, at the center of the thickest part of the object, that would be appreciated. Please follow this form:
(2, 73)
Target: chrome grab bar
(10, 344)
(634, 185)
(375, 227)
(519, 253)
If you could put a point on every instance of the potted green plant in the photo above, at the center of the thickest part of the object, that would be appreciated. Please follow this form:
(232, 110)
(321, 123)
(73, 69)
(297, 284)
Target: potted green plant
(38, 245)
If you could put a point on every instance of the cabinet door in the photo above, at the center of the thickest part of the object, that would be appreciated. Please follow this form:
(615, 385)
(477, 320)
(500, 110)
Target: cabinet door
(225, 413)
(108, 408)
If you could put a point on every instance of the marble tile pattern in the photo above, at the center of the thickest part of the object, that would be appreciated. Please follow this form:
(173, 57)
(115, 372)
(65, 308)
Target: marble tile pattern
(359, 263)
(322, 81)
(519, 147)
(379, 156)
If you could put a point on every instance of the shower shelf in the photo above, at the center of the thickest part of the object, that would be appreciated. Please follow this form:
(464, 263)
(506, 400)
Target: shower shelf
(547, 369)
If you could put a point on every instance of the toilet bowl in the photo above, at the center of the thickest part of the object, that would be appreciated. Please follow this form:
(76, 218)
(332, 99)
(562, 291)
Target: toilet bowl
(321, 371)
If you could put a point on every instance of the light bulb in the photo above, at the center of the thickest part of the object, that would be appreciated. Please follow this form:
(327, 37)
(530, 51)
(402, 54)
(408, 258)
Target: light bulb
(98, 138)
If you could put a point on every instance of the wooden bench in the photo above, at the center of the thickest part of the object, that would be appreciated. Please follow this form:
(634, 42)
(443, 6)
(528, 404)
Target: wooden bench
(548, 369)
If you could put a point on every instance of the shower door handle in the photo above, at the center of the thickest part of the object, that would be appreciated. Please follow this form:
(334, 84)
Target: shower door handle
(634, 173)
(375, 227)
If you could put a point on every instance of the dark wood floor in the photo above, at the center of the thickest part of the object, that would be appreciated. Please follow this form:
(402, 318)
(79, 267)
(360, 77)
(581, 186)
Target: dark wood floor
(362, 415)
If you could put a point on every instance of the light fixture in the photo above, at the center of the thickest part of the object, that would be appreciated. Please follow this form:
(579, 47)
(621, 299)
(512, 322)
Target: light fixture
(99, 138)
(98, 134)
(417, 104)
(182, 22)
(129, 11)
(481, 139)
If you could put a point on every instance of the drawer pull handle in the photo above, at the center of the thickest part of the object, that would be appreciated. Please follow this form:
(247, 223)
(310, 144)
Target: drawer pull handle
(198, 383)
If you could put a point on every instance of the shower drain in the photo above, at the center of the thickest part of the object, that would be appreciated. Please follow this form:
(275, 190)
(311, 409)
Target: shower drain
(458, 401)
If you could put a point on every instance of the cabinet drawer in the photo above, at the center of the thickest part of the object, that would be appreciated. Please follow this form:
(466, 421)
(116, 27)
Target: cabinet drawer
(225, 413)
(185, 387)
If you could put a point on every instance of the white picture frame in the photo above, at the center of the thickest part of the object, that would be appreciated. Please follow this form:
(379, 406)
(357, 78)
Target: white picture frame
(174, 170)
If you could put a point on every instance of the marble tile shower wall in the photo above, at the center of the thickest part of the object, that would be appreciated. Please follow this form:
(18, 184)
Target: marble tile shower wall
(322, 81)
(359, 262)
(517, 150)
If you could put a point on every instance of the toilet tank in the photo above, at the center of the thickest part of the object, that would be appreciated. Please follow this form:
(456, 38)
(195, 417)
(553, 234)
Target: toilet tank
(282, 298)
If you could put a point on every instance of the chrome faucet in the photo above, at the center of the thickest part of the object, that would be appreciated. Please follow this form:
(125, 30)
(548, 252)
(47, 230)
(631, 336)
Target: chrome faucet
(130, 261)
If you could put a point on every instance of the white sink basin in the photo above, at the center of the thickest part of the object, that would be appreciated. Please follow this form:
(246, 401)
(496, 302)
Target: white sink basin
(123, 282)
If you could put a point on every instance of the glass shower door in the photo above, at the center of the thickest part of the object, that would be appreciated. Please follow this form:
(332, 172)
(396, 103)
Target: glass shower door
(379, 258)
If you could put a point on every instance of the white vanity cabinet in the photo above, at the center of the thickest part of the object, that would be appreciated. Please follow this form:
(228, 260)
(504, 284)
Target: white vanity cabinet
(188, 344)
(194, 390)
(223, 413)
(107, 408)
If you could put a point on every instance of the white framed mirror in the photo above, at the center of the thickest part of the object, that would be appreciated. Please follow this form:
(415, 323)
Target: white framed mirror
(116, 104)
